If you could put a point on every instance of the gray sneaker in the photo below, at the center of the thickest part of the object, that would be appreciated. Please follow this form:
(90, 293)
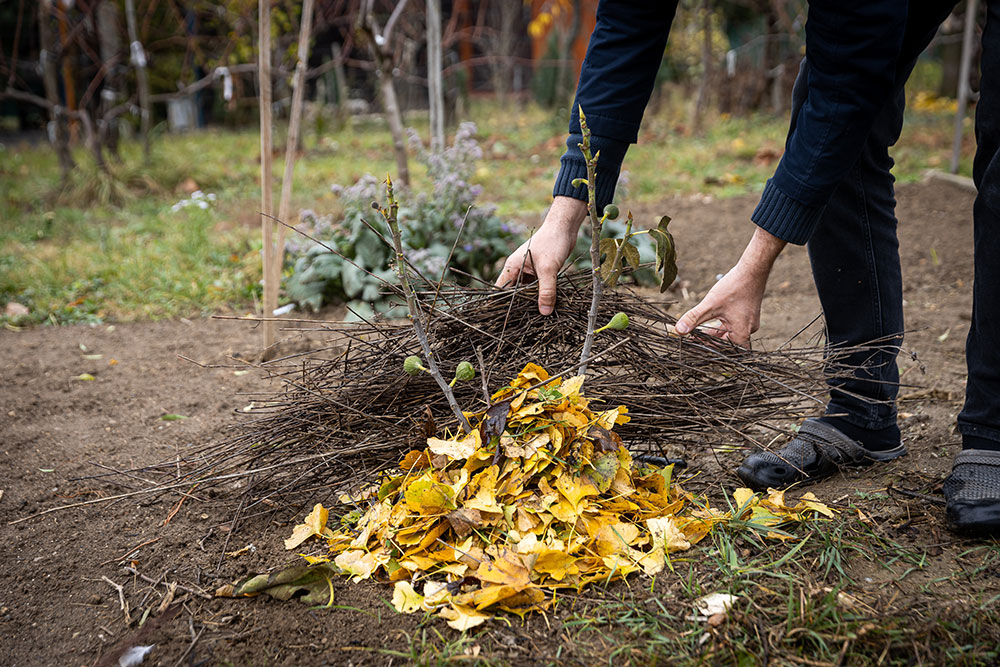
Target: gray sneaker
(817, 451)
(972, 492)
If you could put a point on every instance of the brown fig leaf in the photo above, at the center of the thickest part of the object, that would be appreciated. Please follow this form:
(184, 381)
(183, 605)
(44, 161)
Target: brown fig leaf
(464, 521)
(607, 441)
(495, 422)
(666, 253)
(311, 585)
(631, 255)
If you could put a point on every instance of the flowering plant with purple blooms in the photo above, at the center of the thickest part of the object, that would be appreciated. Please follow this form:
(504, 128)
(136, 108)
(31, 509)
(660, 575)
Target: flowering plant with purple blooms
(431, 221)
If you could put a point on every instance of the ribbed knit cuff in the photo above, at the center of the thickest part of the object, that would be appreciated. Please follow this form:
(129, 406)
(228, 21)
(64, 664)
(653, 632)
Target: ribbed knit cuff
(781, 216)
(573, 166)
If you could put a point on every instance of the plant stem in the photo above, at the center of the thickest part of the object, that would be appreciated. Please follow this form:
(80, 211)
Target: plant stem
(595, 241)
(391, 219)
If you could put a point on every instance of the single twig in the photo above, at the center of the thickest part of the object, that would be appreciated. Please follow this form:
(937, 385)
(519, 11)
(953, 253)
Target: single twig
(595, 241)
(121, 599)
(390, 214)
(149, 580)
(129, 552)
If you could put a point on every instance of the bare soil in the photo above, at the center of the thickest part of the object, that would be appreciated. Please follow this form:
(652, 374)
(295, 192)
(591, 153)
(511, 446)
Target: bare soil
(60, 433)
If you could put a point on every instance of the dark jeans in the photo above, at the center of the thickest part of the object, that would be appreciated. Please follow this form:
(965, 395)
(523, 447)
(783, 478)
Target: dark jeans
(855, 253)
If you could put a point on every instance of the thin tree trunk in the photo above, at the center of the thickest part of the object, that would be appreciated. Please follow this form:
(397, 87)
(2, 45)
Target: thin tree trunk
(291, 145)
(342, 92)
(395, 119)
(266, 198)
(108, 19)
(380, 43)
(435, 86)
(142, 76)
(69, 83)
(706, 64)
(60, 132)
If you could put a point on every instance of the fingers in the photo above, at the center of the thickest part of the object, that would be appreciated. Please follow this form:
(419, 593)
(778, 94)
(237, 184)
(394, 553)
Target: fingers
(546, 292)
(692, 318)
(508, 276)
(735, 332)
(512, 270)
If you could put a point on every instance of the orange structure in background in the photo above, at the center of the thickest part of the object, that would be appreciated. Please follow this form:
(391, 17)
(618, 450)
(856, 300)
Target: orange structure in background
(546, 15)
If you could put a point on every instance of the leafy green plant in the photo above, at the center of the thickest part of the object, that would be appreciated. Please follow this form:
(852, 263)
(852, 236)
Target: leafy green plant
(434, 220)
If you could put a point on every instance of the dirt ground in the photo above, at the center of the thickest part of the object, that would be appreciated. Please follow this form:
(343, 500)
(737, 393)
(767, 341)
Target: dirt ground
(60, 606)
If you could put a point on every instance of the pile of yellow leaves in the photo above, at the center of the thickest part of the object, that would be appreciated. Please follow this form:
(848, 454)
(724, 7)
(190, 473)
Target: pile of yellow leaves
(463, 527)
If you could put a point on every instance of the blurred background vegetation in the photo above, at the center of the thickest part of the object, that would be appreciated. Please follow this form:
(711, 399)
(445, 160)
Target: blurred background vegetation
(106, 232)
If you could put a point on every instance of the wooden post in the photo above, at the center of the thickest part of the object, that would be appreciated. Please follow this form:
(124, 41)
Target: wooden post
(291, 145)
(266, 204)
(141, 75)
(971, 10)
(435, 87)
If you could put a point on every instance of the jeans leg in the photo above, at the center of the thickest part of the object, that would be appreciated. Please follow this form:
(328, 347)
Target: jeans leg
(980, 418)
(855, 252)
(855, 262)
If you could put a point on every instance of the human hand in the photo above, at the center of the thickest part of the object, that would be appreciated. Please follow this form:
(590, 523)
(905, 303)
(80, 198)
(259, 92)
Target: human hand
(735, 300)
(542, 256)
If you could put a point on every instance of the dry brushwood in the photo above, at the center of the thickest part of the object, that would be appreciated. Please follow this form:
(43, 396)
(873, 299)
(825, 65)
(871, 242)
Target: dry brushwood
(347, 410)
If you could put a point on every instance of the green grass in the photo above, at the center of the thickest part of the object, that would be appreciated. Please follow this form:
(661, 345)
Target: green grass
(809, 600)
(111, 249)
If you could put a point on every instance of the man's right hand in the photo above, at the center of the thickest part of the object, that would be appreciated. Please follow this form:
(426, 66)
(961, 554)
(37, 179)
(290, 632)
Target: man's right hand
(550, 247)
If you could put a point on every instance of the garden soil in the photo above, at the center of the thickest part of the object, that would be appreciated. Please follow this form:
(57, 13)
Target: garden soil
(59, 604)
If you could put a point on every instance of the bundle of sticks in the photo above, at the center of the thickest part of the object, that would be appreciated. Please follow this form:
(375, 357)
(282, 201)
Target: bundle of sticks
(347, 410)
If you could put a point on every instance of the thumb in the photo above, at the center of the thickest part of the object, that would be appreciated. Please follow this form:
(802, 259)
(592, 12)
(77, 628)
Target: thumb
(546, 292)
(693, 318)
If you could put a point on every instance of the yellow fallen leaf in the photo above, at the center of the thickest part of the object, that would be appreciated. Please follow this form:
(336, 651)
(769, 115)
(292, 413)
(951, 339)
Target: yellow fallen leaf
(575, 487)
(456, 449)
(742, 497)
(507, 569)
(359, 563)
(314, 524)
(463, 618)
(666, 535)
(405, 599)
(810, 501)
(427, 496)
(525, 449)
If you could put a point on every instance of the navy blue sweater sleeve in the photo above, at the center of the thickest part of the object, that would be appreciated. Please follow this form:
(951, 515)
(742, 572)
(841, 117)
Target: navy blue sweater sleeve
(616, 81)
(852, 47)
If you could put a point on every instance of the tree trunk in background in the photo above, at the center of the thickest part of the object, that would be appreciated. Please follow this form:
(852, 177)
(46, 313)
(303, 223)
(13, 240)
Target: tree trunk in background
(435, 86)
(706, 64)
(505, 14)
(341, 83)
(60, 130)
(292, 144)
(142, 76)
(108, 20)
(69, 83)
(395, 119)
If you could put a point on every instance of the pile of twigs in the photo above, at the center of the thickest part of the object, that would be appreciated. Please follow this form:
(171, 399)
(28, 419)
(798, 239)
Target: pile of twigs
(346, 411)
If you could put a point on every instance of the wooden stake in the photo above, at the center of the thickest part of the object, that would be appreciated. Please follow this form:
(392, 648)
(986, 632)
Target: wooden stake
(295, 119)
(266, 196)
